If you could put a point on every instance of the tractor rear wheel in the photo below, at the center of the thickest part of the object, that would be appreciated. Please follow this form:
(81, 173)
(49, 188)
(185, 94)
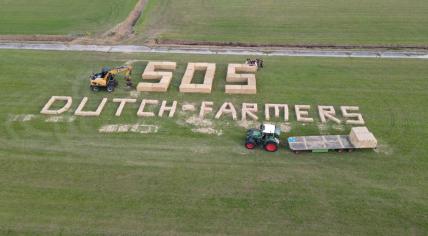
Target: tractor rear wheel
(271, 147)
(250, 144)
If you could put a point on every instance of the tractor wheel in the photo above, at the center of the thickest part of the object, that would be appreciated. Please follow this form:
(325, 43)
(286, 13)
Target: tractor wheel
(95, 88)
(271, 147)
(110, 88)
(129, 84)
(250, 144)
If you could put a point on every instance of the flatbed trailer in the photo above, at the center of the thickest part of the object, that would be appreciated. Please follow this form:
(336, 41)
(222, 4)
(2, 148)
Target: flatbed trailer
(323, 143)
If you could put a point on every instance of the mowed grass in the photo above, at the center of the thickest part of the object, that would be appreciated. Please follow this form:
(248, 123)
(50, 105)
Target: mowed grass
(61, 17)
(330, 22)
(66, 178)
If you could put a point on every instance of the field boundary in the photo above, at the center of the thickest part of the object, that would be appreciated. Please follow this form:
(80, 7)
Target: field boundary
(309, 46)
(297, 52)
(37, 38)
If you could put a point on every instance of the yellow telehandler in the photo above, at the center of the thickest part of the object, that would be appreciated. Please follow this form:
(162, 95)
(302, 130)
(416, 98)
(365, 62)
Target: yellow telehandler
(106, 78)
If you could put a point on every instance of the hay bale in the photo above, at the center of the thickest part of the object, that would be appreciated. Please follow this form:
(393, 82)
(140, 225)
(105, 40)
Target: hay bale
(186, 85)
(145, 102)
(327, 113)
(276, 108)
(47, 111)
(205, 108)
(249, 109)
(346, 113)
(122, 102)
(227, 108)
(164, 77)
(80, 112)
(234, 77)
(302, 113)
(165, 108)
(361, 137)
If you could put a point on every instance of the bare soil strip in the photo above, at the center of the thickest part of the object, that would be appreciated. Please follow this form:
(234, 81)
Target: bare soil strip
(120, 32)
(166, 42)
(126, 28)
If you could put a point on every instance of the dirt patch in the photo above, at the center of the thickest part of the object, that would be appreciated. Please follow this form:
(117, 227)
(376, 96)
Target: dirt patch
(129, 128)
(201, 126)
(248, 124)
(126, 28)
(188, 107)
(338, 127)
(37, 38)
(285, 127)
(323, 128)
(134, 94)
(60, 119)
(207, 130)
(196, 121)
(121, 31)
(384, 148)
(21, 118)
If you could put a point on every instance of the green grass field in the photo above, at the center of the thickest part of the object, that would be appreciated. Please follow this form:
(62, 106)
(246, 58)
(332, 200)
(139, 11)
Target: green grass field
(66, 178)
(364, 22)
(61, 17)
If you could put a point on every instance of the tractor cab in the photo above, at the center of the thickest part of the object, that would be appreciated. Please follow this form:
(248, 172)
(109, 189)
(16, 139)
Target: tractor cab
(267, 136)
(271, 130)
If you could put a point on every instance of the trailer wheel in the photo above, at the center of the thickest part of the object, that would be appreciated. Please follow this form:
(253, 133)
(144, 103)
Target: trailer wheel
(340, 150)
(351, 150)
(271, 147)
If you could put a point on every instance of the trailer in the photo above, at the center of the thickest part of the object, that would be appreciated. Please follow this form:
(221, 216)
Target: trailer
(359, 138)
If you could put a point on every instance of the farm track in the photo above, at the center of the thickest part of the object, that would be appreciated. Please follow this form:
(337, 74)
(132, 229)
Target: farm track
(225, 50)
(125, 29)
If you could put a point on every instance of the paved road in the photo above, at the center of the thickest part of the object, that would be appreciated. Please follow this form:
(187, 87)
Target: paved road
(220, 51)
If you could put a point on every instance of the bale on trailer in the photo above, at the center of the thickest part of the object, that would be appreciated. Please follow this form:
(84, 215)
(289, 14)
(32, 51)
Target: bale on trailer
(361, 137)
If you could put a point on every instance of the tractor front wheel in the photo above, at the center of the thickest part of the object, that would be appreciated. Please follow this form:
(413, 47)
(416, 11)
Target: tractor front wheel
(95, 88)
(110, 88)
(271, 147)
(250, 145)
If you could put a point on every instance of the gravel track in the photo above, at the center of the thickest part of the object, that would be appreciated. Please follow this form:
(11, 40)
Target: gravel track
(387, 54)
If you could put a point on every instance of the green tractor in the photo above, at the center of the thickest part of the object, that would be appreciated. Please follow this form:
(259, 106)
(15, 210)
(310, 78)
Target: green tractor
(267, 136)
